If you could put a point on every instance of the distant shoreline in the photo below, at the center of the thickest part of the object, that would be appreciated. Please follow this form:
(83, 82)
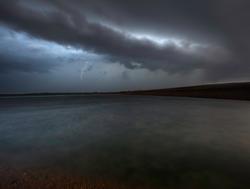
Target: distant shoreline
(234, 91)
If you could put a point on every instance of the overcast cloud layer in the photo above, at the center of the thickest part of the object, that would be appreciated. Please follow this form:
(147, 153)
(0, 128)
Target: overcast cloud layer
(102, 45)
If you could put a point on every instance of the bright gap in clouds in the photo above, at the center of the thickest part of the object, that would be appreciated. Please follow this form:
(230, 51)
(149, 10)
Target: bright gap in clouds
(160, 40)
(156, 39)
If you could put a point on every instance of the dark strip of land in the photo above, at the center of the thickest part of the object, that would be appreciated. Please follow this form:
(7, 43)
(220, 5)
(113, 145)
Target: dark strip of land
(237, 91)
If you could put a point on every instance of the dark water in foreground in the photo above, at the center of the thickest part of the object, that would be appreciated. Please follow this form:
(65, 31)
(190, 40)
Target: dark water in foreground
(160, 141)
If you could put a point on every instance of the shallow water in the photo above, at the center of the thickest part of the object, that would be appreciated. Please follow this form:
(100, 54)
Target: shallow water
(159, 141)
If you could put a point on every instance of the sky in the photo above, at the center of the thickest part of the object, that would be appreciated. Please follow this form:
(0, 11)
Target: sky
(116, 45)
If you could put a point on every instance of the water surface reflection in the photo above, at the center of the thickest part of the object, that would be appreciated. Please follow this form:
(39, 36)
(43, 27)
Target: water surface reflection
(162, 141)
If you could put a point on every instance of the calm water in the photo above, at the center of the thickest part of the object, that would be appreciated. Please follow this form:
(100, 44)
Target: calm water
(161, 141)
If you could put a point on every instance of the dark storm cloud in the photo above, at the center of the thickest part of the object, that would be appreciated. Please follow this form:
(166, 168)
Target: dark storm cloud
(210, 36)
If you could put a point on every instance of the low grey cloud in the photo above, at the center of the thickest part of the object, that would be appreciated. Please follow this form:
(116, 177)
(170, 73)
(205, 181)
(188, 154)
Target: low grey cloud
(176, 36)
(22, 52)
